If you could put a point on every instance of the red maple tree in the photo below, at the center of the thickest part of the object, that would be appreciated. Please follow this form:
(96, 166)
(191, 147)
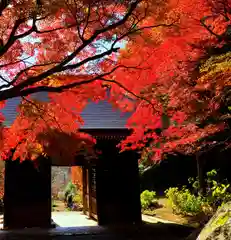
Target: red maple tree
(70, 49)
(61, 47)
(179, 90)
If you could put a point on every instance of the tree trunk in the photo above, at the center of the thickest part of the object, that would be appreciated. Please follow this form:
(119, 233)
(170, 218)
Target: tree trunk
(200, 173)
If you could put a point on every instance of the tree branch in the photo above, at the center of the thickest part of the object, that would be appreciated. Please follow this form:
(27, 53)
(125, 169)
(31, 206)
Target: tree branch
(202, 21)
(58, 67)
(22, 88)
(59, 89)
(12, 63)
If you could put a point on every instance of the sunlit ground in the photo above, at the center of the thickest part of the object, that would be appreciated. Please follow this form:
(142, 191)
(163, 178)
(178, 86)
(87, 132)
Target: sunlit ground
(1, 221)
(72, 219)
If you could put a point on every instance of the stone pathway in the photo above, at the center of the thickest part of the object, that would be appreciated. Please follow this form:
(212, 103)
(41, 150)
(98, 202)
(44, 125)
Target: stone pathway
(72, 219)
(150, 219)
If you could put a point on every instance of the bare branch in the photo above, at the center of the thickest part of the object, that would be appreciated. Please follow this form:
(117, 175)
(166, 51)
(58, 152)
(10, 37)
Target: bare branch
(28, 91)
(87, 21)
(4, 79)
(55, 29)
(127, 90)
(11, 83)
(57, 68)
(209, 147)
(89, 59)
(12, 37)
(219, 37)
(21, 89)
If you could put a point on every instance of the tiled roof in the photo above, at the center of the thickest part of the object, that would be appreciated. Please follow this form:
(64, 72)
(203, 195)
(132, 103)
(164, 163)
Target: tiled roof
(102, 115)
(99, 115)
(10, 110)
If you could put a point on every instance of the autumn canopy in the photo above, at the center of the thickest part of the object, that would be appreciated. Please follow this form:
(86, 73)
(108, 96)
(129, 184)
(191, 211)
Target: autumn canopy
(166, 60)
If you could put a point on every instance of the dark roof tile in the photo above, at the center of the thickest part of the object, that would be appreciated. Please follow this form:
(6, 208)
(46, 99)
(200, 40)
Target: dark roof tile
(102, 115)
(99, 115)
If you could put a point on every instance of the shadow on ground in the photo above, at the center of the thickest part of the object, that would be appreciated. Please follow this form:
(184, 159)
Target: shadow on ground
(157, 231)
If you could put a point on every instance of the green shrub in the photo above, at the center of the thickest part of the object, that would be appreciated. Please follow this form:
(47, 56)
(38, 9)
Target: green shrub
(78, 199)
(147, 198)
(217, 192)
(149, 212)
(70, 190)
(184, 202)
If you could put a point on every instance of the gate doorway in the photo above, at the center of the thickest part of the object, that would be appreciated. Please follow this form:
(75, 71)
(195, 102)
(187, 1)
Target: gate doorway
(71, 203)
(111, 194)
(2, 189)
(90, 192)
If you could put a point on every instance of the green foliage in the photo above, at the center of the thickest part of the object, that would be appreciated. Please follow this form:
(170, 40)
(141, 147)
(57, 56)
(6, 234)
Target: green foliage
(70, 190)
(147, 198)
(141, 168)
(186, 202)
(78, 199)
(217, 192)
(150, 212)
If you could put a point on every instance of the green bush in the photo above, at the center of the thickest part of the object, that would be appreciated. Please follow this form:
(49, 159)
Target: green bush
(149, 212)
(70, 190)
(182, 201)
(147, 198)
(78, 199)
(217, 192)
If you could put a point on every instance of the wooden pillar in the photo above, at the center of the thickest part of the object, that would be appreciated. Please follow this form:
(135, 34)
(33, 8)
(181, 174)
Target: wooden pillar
(118, 187)
(27, 199)
(89, 192)
(84, 175)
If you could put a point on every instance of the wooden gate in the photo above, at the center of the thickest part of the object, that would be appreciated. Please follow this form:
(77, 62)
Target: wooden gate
(27, 194)
(89, 192)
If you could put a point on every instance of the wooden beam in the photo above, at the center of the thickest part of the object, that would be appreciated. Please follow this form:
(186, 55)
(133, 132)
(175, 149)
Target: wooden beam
(84, 175)
(89, 191)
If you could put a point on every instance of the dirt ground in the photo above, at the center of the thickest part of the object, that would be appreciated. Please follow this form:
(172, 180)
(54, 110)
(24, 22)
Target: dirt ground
(165, 212)
(59, 206)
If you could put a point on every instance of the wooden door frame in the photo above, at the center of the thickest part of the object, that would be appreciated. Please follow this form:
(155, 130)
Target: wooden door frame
(87, 193)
